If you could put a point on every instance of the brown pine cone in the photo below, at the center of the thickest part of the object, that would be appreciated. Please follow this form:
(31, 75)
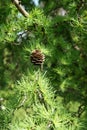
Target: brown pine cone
(37, 57)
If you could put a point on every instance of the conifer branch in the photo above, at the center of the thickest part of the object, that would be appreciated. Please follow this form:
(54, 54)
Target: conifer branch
(81, 109)
(20, 7)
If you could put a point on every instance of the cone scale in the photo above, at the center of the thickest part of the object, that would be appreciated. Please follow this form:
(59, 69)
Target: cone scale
(37, 58)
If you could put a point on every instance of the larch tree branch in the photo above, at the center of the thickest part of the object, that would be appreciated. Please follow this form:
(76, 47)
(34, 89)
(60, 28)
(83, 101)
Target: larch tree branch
(20, 8)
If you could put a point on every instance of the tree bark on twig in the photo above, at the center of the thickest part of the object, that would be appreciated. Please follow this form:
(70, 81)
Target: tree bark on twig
(20, 8)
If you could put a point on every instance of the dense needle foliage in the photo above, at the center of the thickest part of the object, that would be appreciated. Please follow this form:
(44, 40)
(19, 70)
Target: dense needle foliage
(55, 98)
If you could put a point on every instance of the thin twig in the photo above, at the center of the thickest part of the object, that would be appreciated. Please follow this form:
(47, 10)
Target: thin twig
(41, 67)
(20, 8)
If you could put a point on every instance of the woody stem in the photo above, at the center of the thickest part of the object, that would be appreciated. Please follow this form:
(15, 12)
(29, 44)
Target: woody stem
(20, 8)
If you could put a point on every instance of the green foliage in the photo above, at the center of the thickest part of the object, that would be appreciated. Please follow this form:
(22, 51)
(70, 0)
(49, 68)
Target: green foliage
(55, 98)
(33, 105)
